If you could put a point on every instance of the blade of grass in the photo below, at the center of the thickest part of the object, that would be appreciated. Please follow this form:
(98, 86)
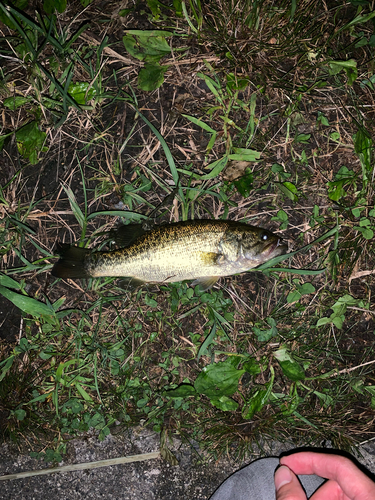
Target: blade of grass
(27, 304)
(125, 214)
(78, 214)
(203, 350)
(267, 266)
(170, 161)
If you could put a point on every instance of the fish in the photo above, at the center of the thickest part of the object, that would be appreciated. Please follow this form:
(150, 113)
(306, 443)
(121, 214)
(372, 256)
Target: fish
(201, 251)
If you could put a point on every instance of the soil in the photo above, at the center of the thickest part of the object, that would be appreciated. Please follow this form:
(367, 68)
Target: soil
(193, 477)
(84, 154)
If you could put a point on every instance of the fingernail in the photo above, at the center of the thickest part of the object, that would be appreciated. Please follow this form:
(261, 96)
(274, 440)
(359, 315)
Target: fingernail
(282, 476)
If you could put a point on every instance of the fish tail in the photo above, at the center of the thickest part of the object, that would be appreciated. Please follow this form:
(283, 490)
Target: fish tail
(71, 263)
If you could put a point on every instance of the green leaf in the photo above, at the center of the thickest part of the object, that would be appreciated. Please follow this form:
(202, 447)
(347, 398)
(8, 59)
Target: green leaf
(279, 170)
(258, 399)
(6, 366)
(47, 355)
(125, 214)
(235, 82)
(343, 302)
(224, 403)
(200, 124)
(151, 76)
(338, 321)
(155, 8)
(218, 379)
(282, 217)
(5, 14)
(357, 211)
(49, 6)
(242, 154)
(322, 119)
(149, 46)
(23, 346)
(336, 188)
(245, 183)
(16, 102)
(177, 4)
(289, 189)
(81, 92)
(289, 366)
(150, 302)
(83, 393)
(40, 397)
(20, 414)
(349, 66)
(326, 399)
(182, 391)
(363, 147)
(216, 168)
(323, 321)
(307, 288)
(132, 47)
(9, 282)
(252, 366)
(302, 138)
(203, 350)
(370, 389)
(30, 140)
(359, 19)
(266, 335)
(256, 403)
(27, 304)
(78, 214)
(368, 234)
(293, 297)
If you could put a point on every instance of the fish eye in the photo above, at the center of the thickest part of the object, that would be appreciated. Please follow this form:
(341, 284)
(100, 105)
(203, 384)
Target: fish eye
(264, 236)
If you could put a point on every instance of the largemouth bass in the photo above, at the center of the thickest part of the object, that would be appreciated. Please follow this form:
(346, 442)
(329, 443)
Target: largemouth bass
(199, 250)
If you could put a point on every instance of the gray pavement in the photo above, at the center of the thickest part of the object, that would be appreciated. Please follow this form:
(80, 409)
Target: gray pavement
(196, 477)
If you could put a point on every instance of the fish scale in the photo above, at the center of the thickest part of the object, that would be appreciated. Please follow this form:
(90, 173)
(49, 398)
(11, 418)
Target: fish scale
(200, 250)
(169, 251)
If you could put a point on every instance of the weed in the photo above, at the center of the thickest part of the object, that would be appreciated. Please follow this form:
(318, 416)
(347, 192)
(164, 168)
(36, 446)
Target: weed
(239, 110)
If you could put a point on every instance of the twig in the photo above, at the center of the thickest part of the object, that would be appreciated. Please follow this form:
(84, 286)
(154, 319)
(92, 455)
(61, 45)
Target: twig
(84, 466)
(348, 370)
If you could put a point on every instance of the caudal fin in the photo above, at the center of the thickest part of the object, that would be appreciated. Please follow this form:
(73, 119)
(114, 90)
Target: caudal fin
(71, 263)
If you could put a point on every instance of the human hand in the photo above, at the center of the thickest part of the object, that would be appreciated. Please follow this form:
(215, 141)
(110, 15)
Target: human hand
(345, 480)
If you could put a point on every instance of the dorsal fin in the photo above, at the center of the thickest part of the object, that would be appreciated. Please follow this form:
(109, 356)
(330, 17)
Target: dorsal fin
(124, 236)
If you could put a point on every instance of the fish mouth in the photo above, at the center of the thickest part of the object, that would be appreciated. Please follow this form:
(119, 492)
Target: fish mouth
(272, 248)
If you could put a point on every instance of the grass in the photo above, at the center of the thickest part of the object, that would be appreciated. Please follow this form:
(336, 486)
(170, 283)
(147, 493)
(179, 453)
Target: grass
(235, 110)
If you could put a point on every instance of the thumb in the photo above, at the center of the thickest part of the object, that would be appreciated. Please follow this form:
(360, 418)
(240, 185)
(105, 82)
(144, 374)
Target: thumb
(287, 485)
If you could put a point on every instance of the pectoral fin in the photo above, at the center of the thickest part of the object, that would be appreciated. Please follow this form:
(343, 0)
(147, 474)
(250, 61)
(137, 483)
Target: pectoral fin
(206, 282)
(210, 258)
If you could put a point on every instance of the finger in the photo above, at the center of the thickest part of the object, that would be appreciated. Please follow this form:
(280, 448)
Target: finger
(353, 482)
(287, 485)
(329, 490)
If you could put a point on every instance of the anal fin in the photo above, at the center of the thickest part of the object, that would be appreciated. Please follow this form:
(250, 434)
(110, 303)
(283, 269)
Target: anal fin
(130, 283)
(206, 282)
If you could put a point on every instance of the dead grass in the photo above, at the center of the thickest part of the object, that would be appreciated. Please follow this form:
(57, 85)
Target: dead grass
(115, 148)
